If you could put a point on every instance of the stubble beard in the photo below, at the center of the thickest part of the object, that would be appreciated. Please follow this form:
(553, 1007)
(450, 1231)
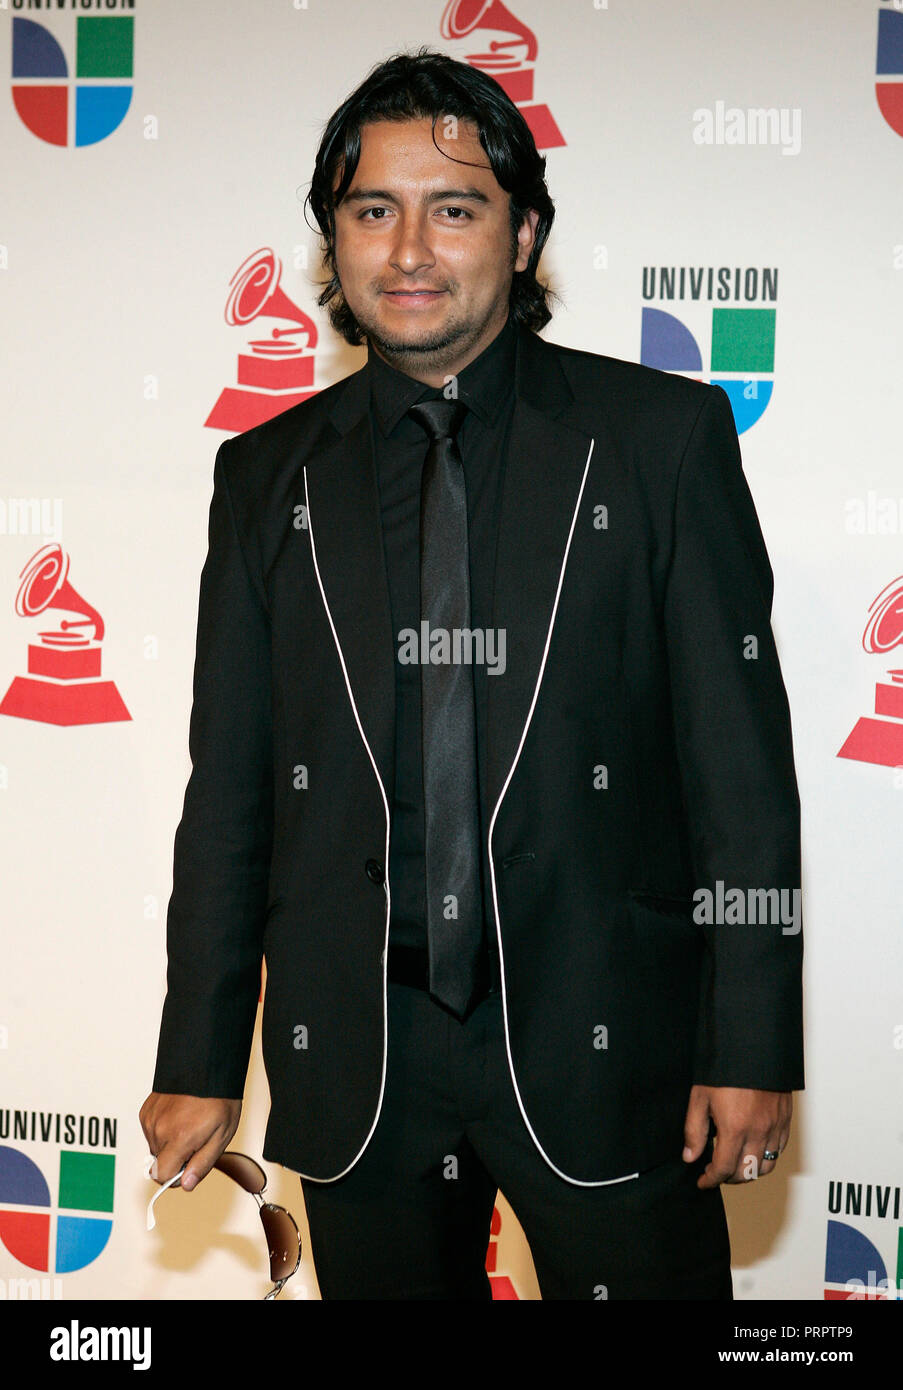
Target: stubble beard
(425, 351)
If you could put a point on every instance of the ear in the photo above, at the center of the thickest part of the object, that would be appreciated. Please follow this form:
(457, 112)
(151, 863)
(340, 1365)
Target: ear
(526, 238)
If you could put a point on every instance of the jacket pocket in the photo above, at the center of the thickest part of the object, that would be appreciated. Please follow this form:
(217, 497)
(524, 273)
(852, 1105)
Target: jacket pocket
(669, 904)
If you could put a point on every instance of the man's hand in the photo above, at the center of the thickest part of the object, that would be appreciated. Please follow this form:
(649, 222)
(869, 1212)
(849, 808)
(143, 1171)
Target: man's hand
(747, 1123)
(190, 1130)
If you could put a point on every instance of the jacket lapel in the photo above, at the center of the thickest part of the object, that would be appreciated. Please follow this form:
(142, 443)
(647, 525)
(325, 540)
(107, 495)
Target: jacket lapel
(346, 540)
(544, 473)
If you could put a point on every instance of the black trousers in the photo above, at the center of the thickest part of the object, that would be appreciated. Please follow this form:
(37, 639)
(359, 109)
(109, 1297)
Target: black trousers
(411, 1219)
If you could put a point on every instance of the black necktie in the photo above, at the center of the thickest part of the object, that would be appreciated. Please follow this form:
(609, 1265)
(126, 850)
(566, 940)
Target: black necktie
(454, 914)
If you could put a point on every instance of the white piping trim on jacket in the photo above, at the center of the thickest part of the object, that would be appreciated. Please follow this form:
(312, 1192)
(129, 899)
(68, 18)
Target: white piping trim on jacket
(382, 1088)
(577, 1182)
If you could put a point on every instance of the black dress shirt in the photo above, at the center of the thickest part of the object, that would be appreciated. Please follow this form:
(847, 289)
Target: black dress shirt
(486, 385)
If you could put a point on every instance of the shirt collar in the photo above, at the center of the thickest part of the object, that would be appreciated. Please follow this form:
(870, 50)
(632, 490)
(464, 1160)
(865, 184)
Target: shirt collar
(483, 384)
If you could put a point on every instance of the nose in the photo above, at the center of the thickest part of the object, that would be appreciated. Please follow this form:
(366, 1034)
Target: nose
(411, 250)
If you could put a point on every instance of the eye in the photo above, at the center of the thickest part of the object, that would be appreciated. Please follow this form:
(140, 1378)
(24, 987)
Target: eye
(461, 214)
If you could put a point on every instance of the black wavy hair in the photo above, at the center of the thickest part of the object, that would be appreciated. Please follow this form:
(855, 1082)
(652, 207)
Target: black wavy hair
(427, 84)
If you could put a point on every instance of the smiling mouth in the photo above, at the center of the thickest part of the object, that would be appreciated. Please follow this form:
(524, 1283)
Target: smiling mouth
(413, 299)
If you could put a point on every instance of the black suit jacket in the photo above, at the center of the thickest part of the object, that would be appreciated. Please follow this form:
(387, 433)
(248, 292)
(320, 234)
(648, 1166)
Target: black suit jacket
(638, 749)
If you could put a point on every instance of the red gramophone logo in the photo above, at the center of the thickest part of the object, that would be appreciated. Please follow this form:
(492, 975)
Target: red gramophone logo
(276, 372)
(63, 685)
(512, 70)
(881, 740)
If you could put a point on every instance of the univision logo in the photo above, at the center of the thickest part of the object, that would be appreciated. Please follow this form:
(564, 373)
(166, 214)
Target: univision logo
(855, 1269)
(58, 1236)
(54, 108)
(737, 335)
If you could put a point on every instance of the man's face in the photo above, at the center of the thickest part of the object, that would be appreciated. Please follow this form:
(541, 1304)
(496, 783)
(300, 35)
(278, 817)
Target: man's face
(423, 246)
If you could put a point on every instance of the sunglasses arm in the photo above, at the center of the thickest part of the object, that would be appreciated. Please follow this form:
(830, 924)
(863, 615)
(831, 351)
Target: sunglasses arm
(151, 1222)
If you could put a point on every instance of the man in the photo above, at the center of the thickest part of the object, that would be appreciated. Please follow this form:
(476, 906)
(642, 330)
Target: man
(486, 700)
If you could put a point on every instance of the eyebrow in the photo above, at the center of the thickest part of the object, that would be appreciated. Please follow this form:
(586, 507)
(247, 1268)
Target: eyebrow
(442, 195)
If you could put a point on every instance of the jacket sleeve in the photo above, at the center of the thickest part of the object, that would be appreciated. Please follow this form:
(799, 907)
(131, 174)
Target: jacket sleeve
(734, 746)
(223, 842)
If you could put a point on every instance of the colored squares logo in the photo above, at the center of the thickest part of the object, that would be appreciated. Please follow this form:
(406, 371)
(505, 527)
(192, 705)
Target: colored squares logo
(104, 47)
(86, 1180)
(27, 1218)
(742, 345)
(890, 65)
(854, 1269)
(86, 1184)
(743, 340)
(667, 344)
(91, 108)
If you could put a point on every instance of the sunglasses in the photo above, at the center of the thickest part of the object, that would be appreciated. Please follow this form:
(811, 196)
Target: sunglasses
(283, 1236)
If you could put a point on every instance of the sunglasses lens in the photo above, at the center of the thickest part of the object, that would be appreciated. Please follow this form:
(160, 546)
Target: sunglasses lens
(244, 1170)
(283, 1240)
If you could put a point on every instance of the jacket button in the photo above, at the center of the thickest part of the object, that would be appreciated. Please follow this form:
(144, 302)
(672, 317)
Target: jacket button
(374, 871)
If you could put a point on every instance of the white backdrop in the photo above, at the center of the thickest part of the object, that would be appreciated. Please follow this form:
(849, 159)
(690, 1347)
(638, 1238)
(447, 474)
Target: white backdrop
(115, 262)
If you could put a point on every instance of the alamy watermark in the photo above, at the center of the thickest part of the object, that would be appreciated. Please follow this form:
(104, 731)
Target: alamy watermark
(749, 906)
(84, 1343)
(757, 125)
(32, 516)
(30, 1290)
(440, 646)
